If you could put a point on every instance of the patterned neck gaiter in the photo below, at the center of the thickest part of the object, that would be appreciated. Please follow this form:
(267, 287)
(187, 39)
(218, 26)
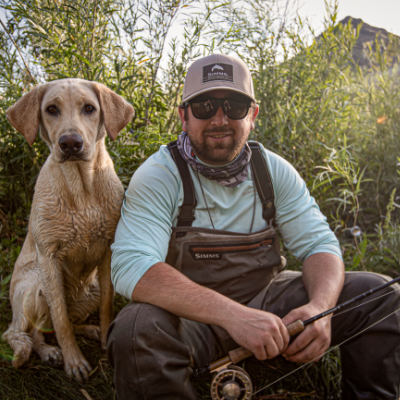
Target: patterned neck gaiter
(229, 175)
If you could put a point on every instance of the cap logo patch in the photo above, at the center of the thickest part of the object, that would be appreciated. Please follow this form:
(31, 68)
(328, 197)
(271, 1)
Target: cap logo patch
(217, 72)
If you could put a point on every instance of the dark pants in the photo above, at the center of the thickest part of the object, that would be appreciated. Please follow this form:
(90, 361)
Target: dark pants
(154, 352)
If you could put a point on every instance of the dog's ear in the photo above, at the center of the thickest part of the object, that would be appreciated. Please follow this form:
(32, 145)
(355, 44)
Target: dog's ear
(117, 112)
(24, 115)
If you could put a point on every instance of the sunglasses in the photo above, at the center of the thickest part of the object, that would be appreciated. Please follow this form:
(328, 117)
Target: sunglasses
(205, 108)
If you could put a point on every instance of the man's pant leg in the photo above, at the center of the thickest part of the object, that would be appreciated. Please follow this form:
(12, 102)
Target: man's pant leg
(371, 360)
(153, 353)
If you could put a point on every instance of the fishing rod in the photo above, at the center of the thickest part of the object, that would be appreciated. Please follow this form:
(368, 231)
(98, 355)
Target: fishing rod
(233, 383)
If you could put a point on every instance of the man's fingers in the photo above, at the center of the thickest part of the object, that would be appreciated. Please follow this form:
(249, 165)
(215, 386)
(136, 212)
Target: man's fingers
(313, 352)
(261, 353)
(285, 336)
(270, 349)
(299, 344)
(307, 347)
(279, 341)
(273, 350)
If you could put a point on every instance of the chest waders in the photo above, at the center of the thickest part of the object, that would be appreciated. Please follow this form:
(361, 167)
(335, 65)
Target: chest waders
(237, 265)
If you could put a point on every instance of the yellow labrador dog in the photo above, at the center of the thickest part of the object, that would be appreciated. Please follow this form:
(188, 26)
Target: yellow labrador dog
(63, 271)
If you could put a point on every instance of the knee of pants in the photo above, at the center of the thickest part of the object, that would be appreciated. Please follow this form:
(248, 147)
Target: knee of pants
(140, 325)
(367, 314)
(361, 281)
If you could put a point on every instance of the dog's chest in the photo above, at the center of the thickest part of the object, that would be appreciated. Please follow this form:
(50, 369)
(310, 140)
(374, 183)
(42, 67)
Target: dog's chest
(86, 232)
(93, 223)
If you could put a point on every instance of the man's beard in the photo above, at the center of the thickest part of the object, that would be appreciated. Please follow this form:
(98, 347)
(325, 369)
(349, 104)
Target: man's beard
(218, 153)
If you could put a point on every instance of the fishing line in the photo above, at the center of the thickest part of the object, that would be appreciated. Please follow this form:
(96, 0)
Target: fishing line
(328, 351)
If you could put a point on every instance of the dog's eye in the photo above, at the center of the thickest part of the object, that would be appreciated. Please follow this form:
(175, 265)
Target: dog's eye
(53, 110)
(88, 108)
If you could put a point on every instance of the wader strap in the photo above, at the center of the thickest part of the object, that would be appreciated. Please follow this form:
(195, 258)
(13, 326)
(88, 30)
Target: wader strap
(186, 213)
(263, 182)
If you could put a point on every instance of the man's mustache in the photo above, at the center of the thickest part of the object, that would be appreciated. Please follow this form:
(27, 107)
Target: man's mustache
(220, 129)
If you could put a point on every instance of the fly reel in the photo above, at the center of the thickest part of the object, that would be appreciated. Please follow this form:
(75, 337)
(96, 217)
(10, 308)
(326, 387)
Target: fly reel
(231, 383)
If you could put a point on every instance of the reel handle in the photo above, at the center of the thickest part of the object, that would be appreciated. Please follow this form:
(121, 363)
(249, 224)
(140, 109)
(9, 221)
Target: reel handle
(240, 353)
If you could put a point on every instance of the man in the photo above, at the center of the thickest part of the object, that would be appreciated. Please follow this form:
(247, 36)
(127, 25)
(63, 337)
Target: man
(196, 251)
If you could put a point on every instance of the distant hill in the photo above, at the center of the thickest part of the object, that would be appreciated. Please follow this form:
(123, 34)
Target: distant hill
(368, 36)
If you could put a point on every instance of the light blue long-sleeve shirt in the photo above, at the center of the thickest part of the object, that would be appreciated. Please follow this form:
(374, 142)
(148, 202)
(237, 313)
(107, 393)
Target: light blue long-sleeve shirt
(151, 206)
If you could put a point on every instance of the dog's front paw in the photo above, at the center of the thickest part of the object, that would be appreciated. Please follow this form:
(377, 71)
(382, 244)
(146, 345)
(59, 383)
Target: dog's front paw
(20, 357)
(51, 355)
(76, 366)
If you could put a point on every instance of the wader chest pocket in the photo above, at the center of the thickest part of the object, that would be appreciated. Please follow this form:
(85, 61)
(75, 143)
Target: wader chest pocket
(237, 269)
(215, 252)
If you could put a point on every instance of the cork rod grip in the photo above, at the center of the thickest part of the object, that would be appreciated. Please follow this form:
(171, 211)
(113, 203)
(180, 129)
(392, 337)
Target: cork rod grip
(295, 327)
(239, 354)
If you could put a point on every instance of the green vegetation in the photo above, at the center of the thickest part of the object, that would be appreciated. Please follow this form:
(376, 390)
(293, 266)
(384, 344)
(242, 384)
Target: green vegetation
(338, 124)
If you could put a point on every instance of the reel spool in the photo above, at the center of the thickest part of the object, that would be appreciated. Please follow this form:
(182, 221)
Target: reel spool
(231, 383)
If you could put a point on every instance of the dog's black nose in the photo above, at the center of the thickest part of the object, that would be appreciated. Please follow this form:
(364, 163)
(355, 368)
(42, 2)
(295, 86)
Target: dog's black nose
(70, 144)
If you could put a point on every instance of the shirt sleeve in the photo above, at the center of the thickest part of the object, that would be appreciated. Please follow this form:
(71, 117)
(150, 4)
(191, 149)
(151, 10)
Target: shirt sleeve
(304, 229)
(144, 229)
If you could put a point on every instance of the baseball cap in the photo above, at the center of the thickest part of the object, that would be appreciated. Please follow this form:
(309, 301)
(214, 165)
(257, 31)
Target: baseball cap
(217, 71)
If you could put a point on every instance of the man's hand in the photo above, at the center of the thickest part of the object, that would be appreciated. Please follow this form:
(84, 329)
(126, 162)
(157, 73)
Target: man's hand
(311, 344)
(323, 276)
(261, 332)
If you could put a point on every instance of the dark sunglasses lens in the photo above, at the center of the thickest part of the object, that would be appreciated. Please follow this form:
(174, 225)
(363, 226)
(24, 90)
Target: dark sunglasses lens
(236, 109)
(207, 108)
(204, 109)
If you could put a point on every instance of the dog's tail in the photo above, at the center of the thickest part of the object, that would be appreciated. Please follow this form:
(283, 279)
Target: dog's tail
(21, 343)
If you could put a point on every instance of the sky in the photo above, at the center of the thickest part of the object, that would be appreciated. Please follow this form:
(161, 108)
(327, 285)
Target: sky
(379, 13)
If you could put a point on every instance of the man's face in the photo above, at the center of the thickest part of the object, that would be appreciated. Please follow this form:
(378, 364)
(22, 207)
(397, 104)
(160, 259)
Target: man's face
(219, 139)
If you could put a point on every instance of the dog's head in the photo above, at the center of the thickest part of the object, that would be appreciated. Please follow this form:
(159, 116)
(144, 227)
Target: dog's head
(72, 115)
